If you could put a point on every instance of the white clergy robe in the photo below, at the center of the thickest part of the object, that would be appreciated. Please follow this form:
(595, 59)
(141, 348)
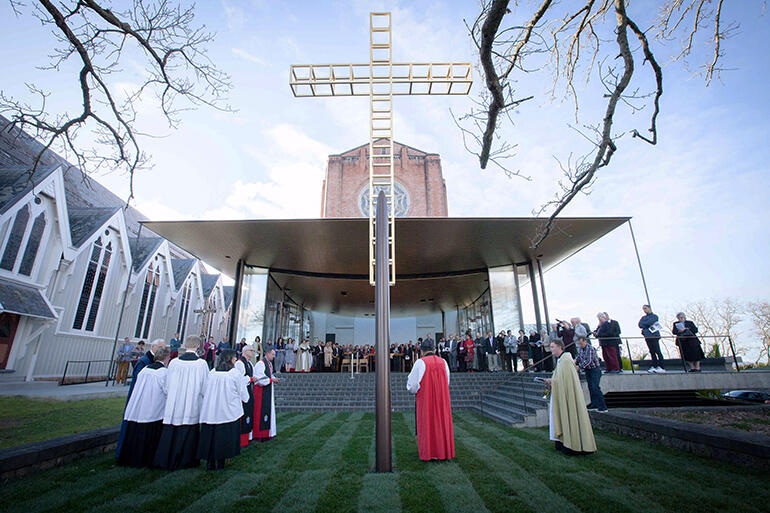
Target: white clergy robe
(223, 395)
(261, 379)
(186, 381)
(148, 401)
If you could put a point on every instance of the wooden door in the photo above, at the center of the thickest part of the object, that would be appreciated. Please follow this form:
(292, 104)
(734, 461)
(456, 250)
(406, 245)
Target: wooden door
(8, 324)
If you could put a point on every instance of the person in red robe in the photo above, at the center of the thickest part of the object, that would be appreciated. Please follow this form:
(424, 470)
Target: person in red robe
(429, 379)
(469, 352)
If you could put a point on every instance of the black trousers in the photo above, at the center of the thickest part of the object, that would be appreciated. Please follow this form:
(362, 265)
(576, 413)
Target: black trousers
(537, 356)
(653, 344)
(506, 357)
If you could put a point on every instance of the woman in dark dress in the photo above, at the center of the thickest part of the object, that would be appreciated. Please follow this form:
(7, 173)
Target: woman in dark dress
(688, 343)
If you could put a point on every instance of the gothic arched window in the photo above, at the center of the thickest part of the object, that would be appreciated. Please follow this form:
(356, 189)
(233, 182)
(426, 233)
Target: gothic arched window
(14, 239)
(150, 290)
(33, 244)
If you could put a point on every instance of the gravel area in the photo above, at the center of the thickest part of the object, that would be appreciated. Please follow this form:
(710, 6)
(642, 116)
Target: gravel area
(754, 420)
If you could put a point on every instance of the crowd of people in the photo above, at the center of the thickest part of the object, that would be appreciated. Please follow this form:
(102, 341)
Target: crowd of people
(181, 409)
(197, 400)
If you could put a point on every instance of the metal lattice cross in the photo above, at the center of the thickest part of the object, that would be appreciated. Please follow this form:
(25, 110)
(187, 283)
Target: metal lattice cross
(380, 80)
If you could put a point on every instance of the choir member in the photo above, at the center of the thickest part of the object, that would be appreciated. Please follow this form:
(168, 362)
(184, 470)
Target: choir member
(304, 357)
(245, 367)
(264, 399)
(187, 376)
(429, 379)
(570, 425)
(146, 359)
(144, 413)
(221, 412)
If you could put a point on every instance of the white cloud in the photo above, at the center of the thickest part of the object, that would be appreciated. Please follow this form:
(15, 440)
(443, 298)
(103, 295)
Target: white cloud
(295, 165)
(243, 54)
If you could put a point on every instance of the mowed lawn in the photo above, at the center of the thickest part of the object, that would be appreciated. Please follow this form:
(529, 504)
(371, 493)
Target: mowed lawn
(24, 420)
(322, 462)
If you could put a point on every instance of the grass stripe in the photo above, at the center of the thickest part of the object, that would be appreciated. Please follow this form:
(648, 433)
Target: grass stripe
(418, 493)
(118, 479)
(495, 488)
(282, 472)
(379, 493)
(456, 490)
(645, 469)
(259, 454)
(220, 497)
(605, 486)
(477, 457)
(586, 493)
(304, 495)
(341, 493)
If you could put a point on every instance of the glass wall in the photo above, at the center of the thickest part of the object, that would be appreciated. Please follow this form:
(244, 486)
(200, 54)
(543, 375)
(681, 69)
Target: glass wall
(284, 317)
(506, 303)
(251, 315)
(477, 316)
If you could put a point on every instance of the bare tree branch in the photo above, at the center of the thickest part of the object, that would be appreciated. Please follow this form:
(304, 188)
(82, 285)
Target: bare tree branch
(177, 67)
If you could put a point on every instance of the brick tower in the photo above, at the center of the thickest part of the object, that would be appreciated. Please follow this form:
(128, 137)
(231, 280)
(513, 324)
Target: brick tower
(420, 188)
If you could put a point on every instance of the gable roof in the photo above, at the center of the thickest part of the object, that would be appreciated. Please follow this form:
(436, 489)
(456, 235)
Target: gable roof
(395, 143)
(181, 268)
(18, 151)
(85, 221)
(142, 249)
(208, 282)
(227, 292)
(16, 181)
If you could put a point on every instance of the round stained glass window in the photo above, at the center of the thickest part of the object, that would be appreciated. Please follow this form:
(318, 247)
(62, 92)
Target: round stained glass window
(401, 199)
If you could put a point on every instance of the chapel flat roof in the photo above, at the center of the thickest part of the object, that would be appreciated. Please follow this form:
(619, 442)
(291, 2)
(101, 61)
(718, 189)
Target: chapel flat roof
(318, 258)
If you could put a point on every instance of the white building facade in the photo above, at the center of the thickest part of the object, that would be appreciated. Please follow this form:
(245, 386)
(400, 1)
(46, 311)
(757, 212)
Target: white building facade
(77, 271)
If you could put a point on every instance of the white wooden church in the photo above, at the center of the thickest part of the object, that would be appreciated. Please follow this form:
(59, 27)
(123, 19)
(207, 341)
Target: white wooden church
(75, 271)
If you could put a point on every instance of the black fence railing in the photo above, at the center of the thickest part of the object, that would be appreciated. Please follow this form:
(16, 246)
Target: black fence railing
(85, 371)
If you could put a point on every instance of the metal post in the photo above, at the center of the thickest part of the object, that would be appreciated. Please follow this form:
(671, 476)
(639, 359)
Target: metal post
(518, 296)
(639, 261)
(235, 307)
(631, 360)
(88, 371)
(382, 338)
(535, 301)
(122, 306)
(64, 377)
(542, 293)
(732, 348)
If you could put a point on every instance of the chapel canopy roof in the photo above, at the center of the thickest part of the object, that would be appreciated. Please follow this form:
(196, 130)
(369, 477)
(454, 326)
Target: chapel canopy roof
(439, 260)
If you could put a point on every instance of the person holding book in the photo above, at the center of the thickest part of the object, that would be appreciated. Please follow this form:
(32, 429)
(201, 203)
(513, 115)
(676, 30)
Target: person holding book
(689, 344)
(650, 325)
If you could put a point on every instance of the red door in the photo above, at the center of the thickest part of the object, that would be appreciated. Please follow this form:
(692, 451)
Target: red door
(8, 324)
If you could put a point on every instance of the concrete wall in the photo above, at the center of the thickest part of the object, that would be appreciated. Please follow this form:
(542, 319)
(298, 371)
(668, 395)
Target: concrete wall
(359, 330)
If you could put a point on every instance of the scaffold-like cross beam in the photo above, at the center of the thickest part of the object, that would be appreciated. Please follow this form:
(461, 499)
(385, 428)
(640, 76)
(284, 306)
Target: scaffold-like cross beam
(381, 79)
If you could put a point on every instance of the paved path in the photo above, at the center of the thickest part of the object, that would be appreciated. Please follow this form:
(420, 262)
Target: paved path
(52, 390)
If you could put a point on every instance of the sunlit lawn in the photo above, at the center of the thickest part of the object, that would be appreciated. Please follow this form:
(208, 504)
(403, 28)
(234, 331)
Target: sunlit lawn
(24, 420)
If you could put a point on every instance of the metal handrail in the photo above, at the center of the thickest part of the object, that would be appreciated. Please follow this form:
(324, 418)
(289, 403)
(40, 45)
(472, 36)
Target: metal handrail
(630, 359)
(88, 371)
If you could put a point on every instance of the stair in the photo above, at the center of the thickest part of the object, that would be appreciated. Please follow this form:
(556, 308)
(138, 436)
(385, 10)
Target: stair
(338, 392)
(518, 401)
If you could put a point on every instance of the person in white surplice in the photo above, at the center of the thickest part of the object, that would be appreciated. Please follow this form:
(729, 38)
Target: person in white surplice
(264, 397)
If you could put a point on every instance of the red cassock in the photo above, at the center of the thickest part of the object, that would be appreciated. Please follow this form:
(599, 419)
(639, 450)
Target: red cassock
(435, 433)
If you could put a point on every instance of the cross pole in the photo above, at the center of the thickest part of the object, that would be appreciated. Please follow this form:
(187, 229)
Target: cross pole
(380, 79)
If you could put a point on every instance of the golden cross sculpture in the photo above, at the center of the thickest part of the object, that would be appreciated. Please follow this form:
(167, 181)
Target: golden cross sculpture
(380, 79)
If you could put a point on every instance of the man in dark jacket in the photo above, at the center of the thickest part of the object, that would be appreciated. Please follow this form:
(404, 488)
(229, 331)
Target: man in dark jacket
(651, 332)
(608, 333)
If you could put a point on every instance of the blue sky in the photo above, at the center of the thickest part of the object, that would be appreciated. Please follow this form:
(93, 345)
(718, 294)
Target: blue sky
(698, 199)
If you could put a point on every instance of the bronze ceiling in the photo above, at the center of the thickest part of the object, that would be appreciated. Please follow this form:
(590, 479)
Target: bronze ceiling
(439, 258)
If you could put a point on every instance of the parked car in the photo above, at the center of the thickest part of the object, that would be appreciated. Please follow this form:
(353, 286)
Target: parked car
(748, 395)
